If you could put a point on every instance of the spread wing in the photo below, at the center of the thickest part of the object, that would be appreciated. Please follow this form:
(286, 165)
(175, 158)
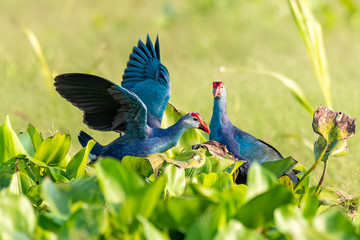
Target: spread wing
(149, 79)
(106, 106)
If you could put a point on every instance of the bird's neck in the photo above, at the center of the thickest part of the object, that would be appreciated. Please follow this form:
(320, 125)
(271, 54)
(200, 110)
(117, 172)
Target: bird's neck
(219, 112)
(175, 131)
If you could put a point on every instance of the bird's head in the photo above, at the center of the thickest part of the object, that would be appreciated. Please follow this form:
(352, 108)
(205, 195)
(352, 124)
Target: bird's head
(195, 120)
(219, 89)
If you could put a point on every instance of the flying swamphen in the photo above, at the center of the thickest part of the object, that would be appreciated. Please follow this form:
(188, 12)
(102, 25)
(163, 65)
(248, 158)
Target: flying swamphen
(242, 144)
(134, 109)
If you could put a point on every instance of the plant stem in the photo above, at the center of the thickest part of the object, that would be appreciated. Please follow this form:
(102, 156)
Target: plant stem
(311, 169)
(322, 178)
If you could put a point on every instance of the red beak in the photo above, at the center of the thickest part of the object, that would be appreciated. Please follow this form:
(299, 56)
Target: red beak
(217, 91)
(217, 86)
(203, 126)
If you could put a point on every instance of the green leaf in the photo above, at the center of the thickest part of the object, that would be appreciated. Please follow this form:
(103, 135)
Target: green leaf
(17, 219)
(10, 144)
(309, 204)
(288, 220)
(52, 151)
(88, 222)
(219, 181)
(34, 195)
(55, 177)
(281, 166)
(259, 180)
(86, 189)
(176, 180)
(77, 164)
(35, 137)
(20, 183)
(5, 179)
(179, 213)
(139, 165)
(150, 231)
(334, 222)
(259, 211)
(26, 142)
(116, 181)
(57, 197)
(235, 230)
(141, 202)
(206, 226)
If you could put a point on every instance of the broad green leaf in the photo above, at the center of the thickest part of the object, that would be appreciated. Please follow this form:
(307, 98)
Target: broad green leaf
(86, 189)
(116, 181)
(50, 222)
(259, 180)
(288, 220)
(20, 183)
(179, 213)
(35, 136)
(17, 219)
(235, 230)
(56, 177)
(27, 143)
(219, 181)
(139, 165)
(53, 150)
(34, 195)
(77, 164)
(176, 180)
(281, 166)
(334, 222)
(150, 231)
(10, 144)
(206, 226)
(141, 202)
(259, 211)
(88, 222)
(5, 179)
(309, 204)
(57, 197)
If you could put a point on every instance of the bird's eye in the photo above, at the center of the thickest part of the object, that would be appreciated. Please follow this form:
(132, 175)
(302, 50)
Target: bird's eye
(195, 119)
(222, 87)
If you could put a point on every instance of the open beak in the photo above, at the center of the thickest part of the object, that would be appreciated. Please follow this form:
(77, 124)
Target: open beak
(203, 126)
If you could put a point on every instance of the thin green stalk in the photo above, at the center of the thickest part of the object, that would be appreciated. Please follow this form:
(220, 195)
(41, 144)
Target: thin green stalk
(311, 169)
(322, 178)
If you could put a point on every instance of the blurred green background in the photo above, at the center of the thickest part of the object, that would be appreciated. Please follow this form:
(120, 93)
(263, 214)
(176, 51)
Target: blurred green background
(196, 38)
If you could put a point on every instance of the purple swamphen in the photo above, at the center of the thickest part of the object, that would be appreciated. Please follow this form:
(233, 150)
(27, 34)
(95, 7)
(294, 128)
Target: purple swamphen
(134, 109)
(243, 145)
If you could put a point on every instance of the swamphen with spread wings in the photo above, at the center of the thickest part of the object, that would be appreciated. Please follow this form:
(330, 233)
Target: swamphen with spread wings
(134, 109)
(242, 144)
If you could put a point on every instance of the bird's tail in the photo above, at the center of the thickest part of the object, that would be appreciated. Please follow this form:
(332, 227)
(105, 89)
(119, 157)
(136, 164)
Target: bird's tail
(84, 138)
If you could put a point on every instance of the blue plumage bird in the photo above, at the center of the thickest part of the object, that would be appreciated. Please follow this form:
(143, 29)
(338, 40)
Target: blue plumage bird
(134, 109)
(242, 144)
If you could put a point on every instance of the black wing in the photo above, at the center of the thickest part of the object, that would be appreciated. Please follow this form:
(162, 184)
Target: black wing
(106, 106)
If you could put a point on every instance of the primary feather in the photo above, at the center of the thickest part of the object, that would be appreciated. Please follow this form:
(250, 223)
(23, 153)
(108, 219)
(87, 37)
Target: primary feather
(135, 109)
